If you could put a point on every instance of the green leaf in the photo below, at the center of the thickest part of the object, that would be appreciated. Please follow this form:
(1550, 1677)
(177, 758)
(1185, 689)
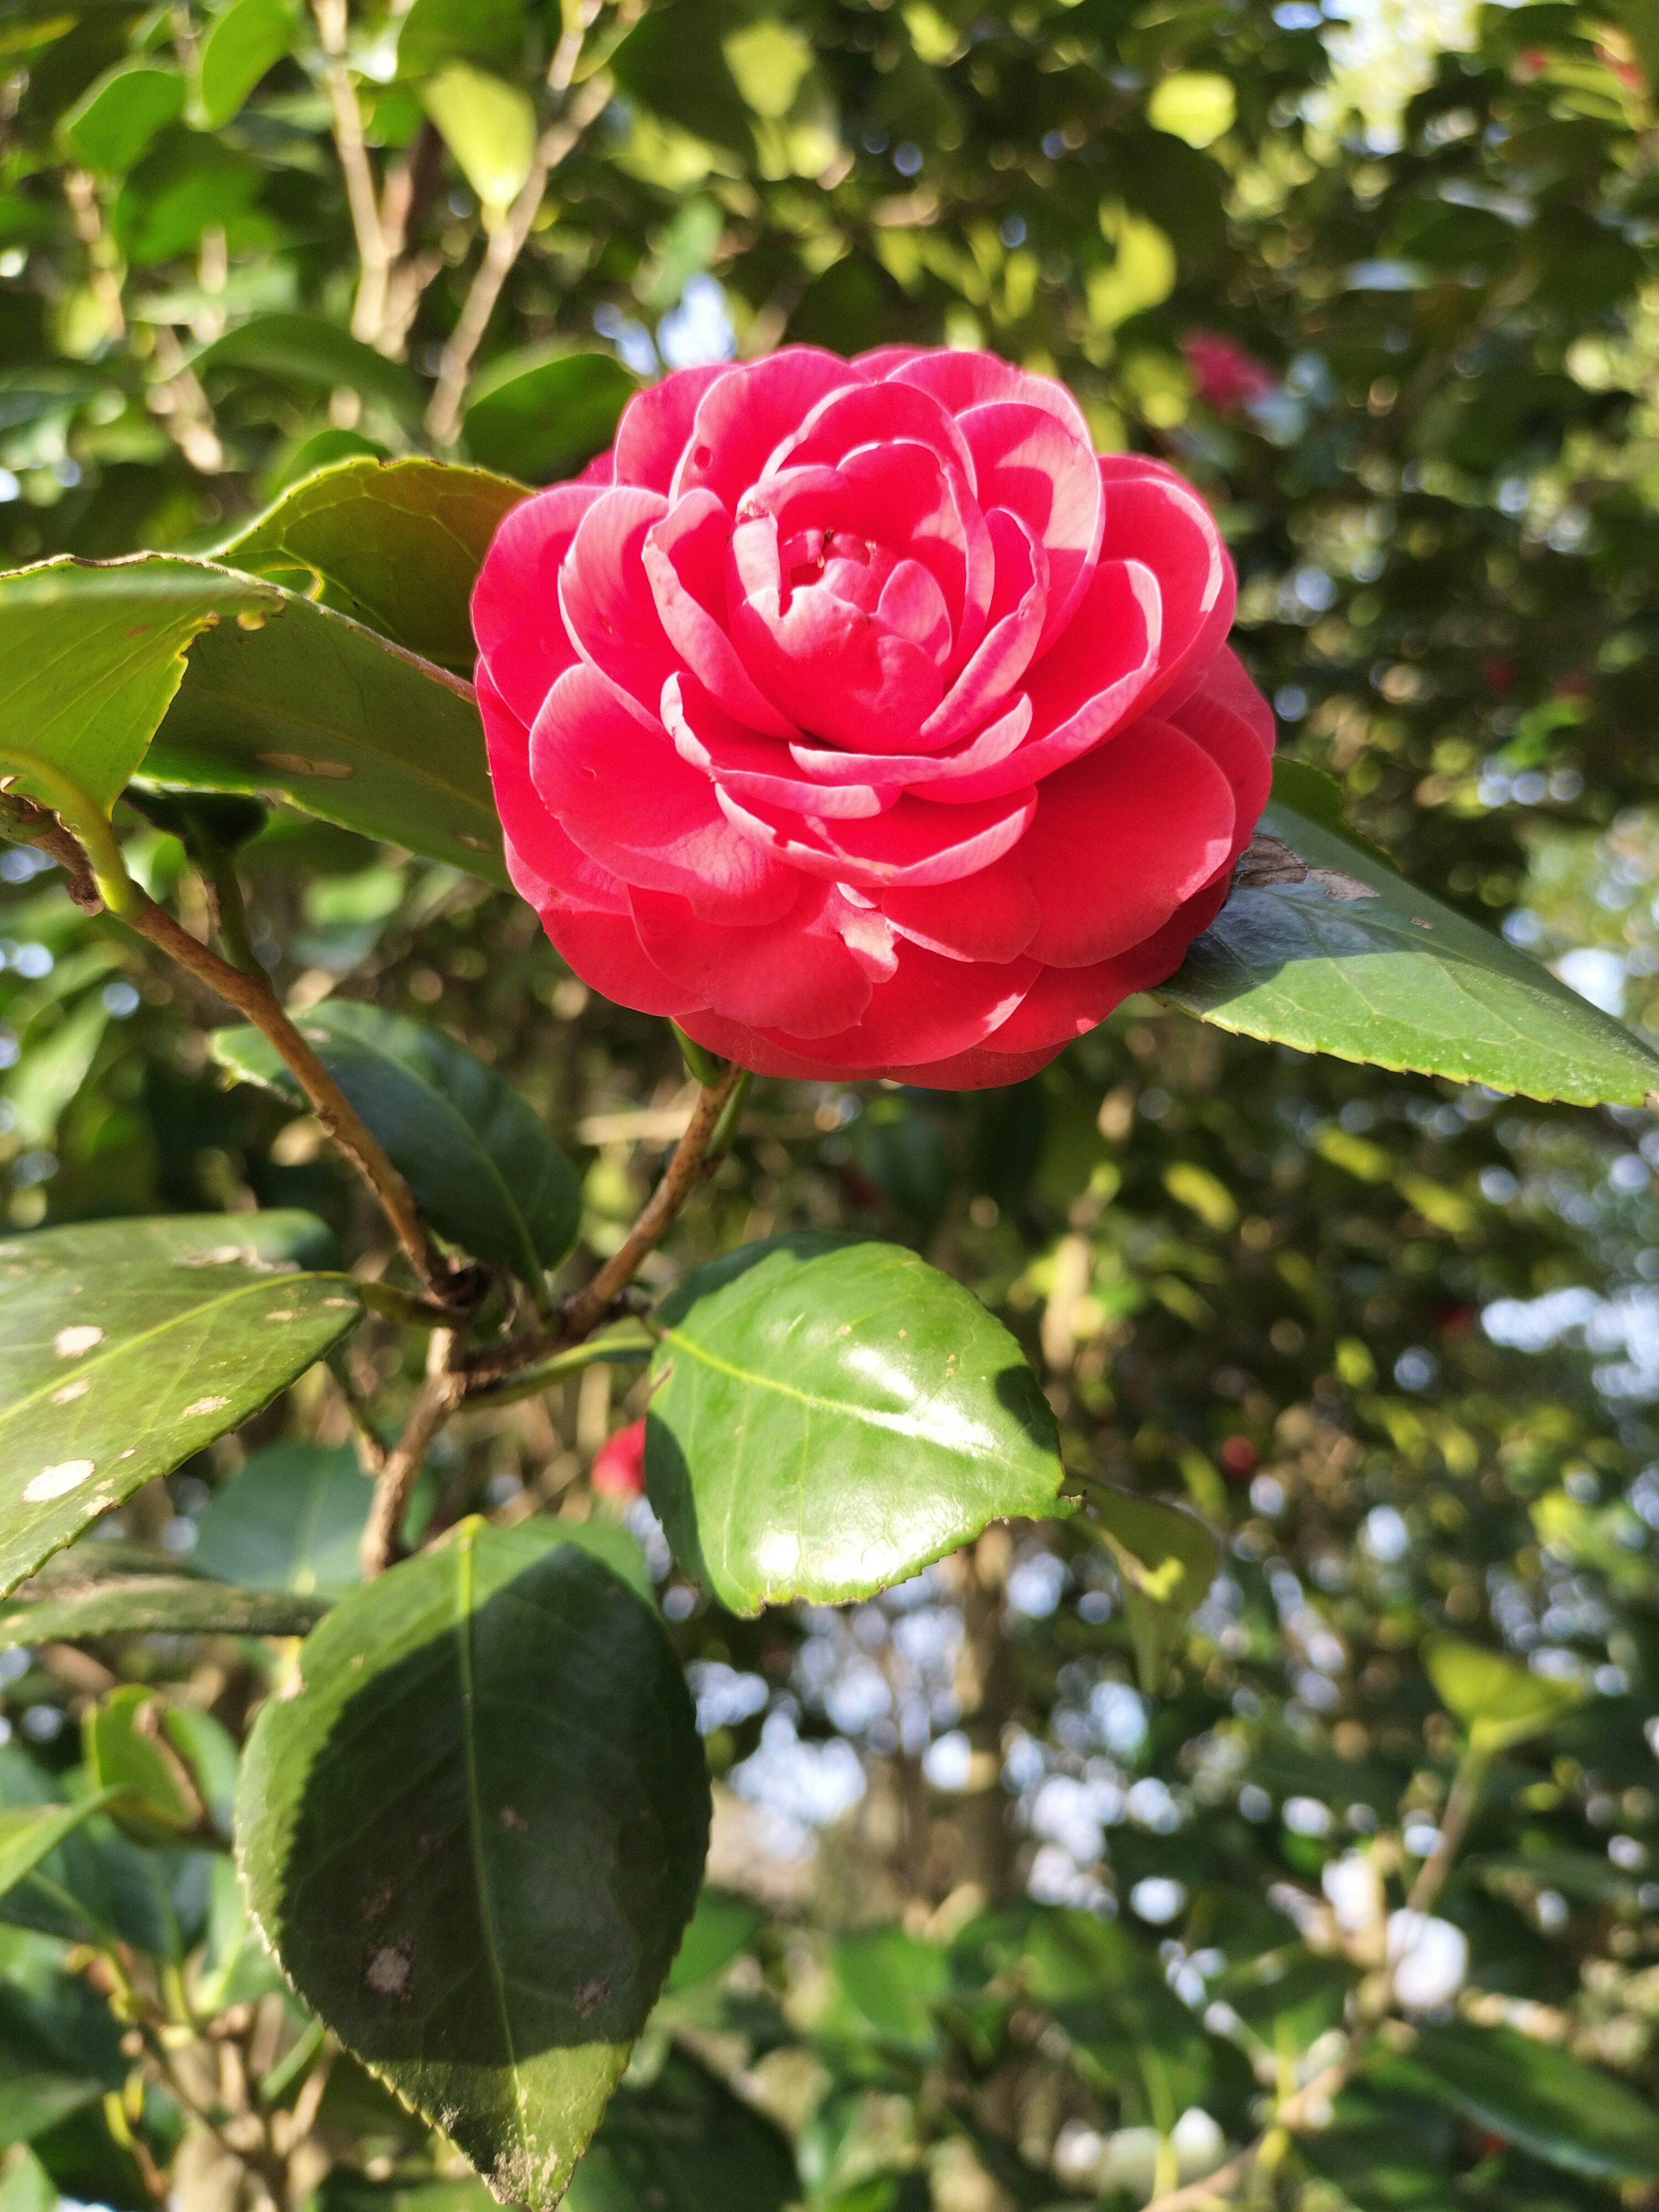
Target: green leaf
(489, 126)
(144, 1605)
(290, 697)
(503, 1730)
(95, 655)
(250, 37)
(1385, 2154)
(128, 1757)
(1166, 1560)
(290, 1520)
(1123, 2019)
(25, 2185)
(684, 2142)
(29, 1833)
(396, 545)
(541, 414)
(894, 1980)
(307, 350)
(1498, 1702)
(831, 1414)
(483, 1169)
(1323, 948)
(722, 1925)
(1533, 2094)
(434, 31)
(113, 122)
(127, 1345)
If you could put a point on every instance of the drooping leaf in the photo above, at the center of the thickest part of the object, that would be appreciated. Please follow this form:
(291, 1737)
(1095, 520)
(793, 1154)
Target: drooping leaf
(504, 1728)
(146, 1605)
(830, 1414)
(539, 414)
(250, 37)
(308, 350)
(127, 1345)
(1499, 1702)
(397, 544)
(482, 1167)
(128, 1755)
(93, 655)
(684, 2142)
(1533, 2094)
(1322, 947)
(111, 124)
(489, 125)
(1166, 1561)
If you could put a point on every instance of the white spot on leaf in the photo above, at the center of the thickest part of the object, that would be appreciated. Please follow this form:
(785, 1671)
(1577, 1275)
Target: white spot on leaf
(389, 1970)
(78, 1388)
(204, 1406)
(81, 1338)
(57, 1482)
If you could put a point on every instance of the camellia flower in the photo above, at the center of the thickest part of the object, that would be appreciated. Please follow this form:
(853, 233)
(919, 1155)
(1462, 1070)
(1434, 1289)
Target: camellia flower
(619, 1469)
(1225, 375)
(855, 715)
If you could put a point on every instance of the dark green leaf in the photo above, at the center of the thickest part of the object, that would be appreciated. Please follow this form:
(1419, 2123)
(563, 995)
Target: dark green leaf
(1534, 2095)
(683, 2142)
(397, 544)
(109, 127)
(30, 1833)
(503, 1730)
(434, 31)
(483, 1169)
(308, 350)
(832, 1414)
(1133, 2031)
(290, 1520)
(148, 1605)
(127, 1345)
(541, 414)
(1385, 2154)
(1322, 947)
(248, 39)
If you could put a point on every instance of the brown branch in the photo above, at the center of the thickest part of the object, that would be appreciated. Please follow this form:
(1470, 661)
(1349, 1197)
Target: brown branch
(438, 1397)
(506, 242)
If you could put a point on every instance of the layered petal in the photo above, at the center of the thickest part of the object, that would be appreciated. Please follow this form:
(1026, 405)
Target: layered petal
(516, 618)
(743, 415)
(797, 972)
(656, 426)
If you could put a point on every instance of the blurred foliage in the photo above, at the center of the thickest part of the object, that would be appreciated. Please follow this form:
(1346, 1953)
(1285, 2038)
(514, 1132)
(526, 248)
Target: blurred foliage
(990, 1928)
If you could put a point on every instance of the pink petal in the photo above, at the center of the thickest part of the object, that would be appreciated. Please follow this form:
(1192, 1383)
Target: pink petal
(521, 635)
(962, 380)
(604, 951)
(742, 416)
(1236, 750)
(912, 843)
(882, 361)
(601, 470)
(1017, 612)
(1226, 679)
(873, 414)
(686, 561)
(608, 607)
(930, 1007)
(1035, 465)
(540, 857)
(796, 972)
(1089, 682)
(1154, 516)
(926, 774)
(991, 916)
(1120, 839)
(979, 1068)
(625, 796)
(656, 425)
(749, 767)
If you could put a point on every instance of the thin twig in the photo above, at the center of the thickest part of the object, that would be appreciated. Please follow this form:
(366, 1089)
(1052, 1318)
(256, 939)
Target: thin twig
(506, 242)
(438, 1397)
(372, 254)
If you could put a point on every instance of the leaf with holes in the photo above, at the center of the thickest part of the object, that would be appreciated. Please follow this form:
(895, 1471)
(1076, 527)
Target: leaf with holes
(483, 1169)
(397, 544)
(127, 1345)
(1322, 946)
(474, 1836)
(829, 1415)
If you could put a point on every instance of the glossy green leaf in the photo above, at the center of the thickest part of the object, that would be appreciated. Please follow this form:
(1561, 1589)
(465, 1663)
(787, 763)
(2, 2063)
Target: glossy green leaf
(1322, 947)
(489, 125)
(683, 2142)
(829, 1415)
(1499, 1702)
(146, 1605)
(111, 124)
(129, 1755)
(250, 37)
(541, 414)
(1166, 1560)
(308, 350)
(127, 1345)
(1533, 2094)
(290, 1520)
(483, 1169)
(396, 545)
(29, 1833)
(93, 656)
(501, 1729)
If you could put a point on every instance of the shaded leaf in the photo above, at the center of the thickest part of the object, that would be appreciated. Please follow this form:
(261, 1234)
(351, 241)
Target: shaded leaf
(1322, 947)
(434, 31)
(1533, 2094)
(829, 1415)
(397, 544)
(683, 2143)
(128, 1756)
(127, 1345)
(148, 1605)
(111, 124)
(483, 1169)
(307, 350)
(290, 1520)
(504, 1727)
(539, 414)
(250, 37)
(30, 1833)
